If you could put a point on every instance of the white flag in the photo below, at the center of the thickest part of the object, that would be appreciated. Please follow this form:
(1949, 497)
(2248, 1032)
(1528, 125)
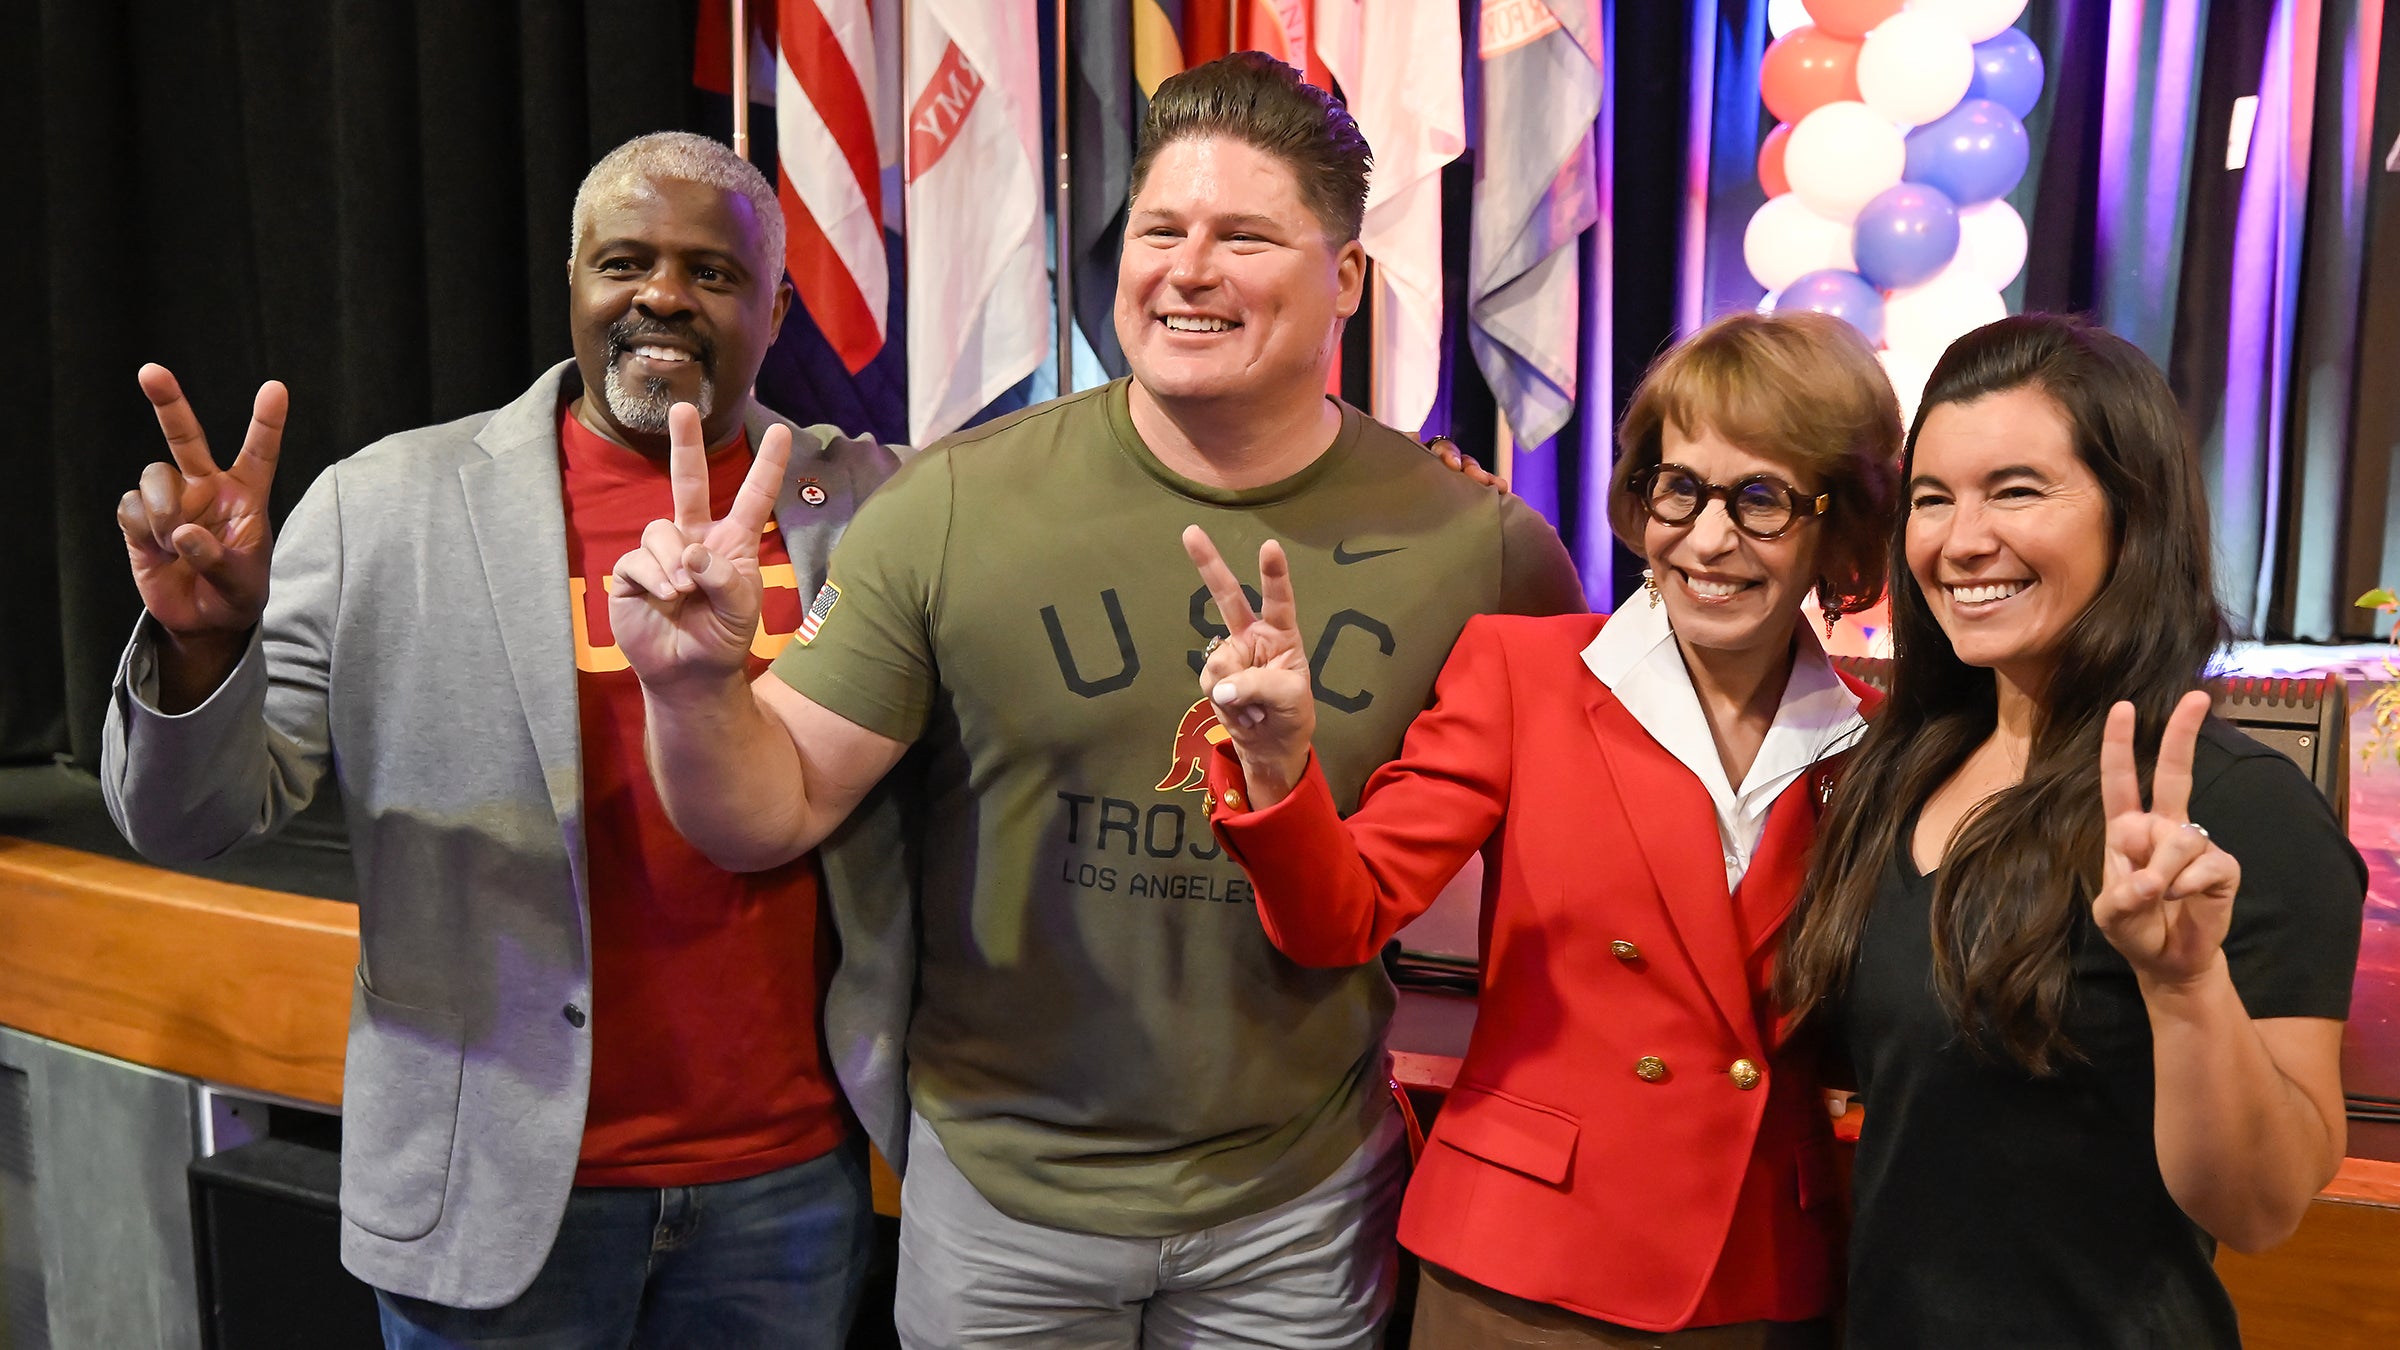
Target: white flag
(978, 280)
(1536, 189)
(1398, 64)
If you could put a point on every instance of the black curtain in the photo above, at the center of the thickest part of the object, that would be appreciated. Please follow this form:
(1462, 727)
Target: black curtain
(367, 200)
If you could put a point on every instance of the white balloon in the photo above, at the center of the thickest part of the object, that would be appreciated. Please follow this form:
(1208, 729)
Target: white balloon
(1915, 66)
(1840, 156)
(1991, 242)
(1908, 369)
(1785, 15)
(1931, 316)
(1980, 20)
(1785, 240)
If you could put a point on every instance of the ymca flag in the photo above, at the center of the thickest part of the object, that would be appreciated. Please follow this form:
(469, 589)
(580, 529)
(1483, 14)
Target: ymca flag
(831, 184)
(1535, 191)
(1399, 66)
(978, 281)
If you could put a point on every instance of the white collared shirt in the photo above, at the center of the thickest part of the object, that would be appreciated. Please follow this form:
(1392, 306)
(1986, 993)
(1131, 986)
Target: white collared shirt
(1637, 658)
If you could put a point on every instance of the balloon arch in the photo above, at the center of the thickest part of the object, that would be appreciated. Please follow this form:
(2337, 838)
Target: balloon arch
(1900, 128)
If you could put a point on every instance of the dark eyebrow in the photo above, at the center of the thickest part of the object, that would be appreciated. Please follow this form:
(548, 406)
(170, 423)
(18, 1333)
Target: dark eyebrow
(1248, 220)
(2005, 473)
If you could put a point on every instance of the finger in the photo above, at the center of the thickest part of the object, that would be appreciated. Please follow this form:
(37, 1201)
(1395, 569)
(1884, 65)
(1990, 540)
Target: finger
(201, 549)
(2215, 872)
(640, 571)
(133, 517)
(687, 470)
(162, 502)
(176, 419)
(2173, 847)
(2128, 839)
(2120, 782)
(667, 543)
(1277, 607)
(1232, 605)
(1247, 697)
(2171, 781)
(754, 505)
(262, 445)
(712, 573)
(2129, 898)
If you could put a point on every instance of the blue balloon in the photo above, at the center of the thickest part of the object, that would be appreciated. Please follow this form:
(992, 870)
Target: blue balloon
(1973, 153)
(2008, 71)
(1905, 235)
(1841, 294)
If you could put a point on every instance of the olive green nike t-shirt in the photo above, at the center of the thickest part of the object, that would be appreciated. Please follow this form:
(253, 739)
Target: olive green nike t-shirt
(1103, 1038)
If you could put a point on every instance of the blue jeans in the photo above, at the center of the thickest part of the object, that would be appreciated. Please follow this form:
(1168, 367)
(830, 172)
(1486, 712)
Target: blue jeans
(773, 1260)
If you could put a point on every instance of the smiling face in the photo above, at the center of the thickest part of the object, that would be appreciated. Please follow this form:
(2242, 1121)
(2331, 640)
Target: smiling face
(1229, 287)
(2009, 532)
(1724, 590)
(670, 302)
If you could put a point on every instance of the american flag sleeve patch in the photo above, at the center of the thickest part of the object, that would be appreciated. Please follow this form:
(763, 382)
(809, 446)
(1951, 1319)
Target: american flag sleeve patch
(817, 610)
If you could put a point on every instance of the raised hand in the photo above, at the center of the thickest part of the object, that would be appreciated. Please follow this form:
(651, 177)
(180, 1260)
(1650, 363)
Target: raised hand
(685, 604)
(1257, 675)
(197, 535)
(2166, 895)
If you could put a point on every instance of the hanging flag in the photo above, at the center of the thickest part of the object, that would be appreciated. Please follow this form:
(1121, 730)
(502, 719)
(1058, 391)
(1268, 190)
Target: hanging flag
(1282, 29)
(1399, 66)
(1157, 42)
(832, 175)
(811, 373)
(1536, 189)
(1104, 114)
(979, 312)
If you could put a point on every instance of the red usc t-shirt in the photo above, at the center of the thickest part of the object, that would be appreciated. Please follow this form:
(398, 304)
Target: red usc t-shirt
(707, 1064)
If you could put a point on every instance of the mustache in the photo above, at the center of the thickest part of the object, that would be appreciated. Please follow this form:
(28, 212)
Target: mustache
(632, 330)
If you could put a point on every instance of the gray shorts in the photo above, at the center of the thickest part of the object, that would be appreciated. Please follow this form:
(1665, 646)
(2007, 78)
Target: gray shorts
(1313, 1273)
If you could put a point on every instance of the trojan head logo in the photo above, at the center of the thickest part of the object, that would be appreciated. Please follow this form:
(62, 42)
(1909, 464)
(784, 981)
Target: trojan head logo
(1195, 737)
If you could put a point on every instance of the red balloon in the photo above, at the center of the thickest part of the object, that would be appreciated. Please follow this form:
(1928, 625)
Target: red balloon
(1770, 161)
(1806, 69)
(1851, 18)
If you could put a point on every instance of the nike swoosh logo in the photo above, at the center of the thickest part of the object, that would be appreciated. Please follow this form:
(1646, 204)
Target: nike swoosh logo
(1344, 559)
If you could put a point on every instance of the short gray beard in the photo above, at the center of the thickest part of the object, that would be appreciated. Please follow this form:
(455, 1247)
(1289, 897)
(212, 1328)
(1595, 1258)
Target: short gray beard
(645, 410)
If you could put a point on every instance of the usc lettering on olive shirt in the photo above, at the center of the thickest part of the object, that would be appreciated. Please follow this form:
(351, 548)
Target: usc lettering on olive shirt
(707, 1062)
(1103, 1037)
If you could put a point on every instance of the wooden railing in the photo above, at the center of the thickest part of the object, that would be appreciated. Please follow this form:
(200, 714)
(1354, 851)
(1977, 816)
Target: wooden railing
(250, 989)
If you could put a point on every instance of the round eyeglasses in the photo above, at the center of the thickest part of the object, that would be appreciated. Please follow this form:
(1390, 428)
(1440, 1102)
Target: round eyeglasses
(1761, 505)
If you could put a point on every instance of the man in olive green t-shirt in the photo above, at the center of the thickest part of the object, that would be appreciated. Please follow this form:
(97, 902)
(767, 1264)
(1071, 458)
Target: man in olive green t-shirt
(1130, 1112)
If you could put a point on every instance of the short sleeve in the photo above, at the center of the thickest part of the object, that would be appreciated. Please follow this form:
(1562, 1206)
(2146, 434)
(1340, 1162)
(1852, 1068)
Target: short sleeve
(865, 649)
(2293, 945)
(1536, 575)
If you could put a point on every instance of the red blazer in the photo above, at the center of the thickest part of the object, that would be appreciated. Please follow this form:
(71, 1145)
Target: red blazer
(1599, 1152)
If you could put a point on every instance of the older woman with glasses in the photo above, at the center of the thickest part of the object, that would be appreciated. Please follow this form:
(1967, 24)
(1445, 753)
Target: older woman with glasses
(1632, 1155)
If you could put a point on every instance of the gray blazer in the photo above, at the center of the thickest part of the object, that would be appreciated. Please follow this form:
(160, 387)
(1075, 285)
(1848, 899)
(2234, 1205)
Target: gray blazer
(417, 643)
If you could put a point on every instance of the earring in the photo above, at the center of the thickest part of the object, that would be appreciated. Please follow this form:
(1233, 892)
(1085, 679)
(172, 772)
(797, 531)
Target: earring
(1650, 584)
(1832, 606)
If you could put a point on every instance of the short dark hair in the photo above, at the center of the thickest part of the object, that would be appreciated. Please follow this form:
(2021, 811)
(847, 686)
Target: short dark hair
(1801, 388)
(1263, 103)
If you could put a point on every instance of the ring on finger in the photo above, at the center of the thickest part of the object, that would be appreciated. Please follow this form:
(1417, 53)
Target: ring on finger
(2196, 827)
(1211, 648)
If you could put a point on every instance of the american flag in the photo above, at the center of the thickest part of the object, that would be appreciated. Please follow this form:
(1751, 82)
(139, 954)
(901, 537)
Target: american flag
(826, 101)
(817, 610)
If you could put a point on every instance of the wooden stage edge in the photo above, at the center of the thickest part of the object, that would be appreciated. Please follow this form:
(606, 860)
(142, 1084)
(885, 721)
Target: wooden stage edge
(249, 989)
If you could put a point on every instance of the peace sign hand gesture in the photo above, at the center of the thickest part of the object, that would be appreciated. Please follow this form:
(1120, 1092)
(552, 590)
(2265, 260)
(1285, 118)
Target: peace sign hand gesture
(685, 604)
(197, 535)
(1257, 675)
(2166, 895)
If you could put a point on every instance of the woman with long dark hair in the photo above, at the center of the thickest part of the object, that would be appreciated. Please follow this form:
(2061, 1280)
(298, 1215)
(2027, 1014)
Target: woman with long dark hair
(1631, 1155)
(2090, 1036)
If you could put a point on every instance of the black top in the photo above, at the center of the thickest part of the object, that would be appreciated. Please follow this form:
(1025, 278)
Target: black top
(2003, 1210)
